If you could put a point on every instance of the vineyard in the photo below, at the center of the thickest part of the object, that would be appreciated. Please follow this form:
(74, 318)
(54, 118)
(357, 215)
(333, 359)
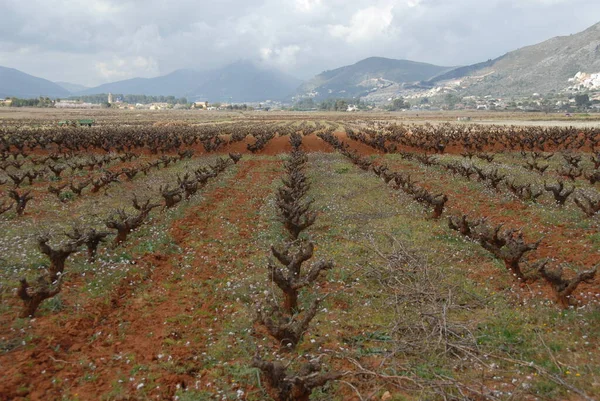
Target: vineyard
(295, 258)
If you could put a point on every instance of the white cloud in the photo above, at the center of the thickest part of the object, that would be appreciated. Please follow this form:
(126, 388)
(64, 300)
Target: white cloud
(306, 5)
(280, 57)
(123, 68)
(365, 25)
(100, 7)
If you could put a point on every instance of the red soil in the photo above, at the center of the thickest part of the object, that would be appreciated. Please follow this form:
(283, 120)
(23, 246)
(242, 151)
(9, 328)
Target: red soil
(109, 334)
(278, 145)
(312, 143)
(360, 147)
(564, 243)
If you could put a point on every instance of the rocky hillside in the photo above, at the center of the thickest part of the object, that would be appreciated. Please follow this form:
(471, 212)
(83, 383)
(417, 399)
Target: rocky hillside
(540, 68)
(367, 76)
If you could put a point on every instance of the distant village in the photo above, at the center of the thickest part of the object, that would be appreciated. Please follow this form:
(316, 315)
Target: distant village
(119, 103)
(533, 103)
(554, 103)
(585, 97)
(138, 102)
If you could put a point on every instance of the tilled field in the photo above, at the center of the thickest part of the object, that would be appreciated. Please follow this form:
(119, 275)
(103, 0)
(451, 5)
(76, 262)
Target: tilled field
(288, 260)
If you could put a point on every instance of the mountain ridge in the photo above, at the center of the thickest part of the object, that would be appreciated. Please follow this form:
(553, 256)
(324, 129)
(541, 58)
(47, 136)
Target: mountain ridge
(367, 75)
(71, 87)
(541, 68)
(545, 67)
(15, 83)
(176, 83)
(241, 81)
(244, 81)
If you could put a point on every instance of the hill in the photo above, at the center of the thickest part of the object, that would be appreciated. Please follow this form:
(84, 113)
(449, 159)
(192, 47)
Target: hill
(238, 82)
(178, 83)
(369, 75)
(71, 87)
(244, 81)
(14, 83)
(540, 68)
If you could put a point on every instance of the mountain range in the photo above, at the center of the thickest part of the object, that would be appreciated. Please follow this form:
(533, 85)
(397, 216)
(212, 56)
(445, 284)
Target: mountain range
(72, 87)
(242, 81)
(178, 83)
(542, 68)
(368, 75)
(16, 83)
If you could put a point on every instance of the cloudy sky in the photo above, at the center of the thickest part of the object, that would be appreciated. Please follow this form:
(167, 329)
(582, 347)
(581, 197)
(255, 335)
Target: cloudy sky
(96, 41)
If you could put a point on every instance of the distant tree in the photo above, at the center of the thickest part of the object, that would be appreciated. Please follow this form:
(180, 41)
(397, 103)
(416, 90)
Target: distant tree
(341, 105)
(37, 102)
(305, 104)
(398, 104)
(326, 105)
(547, 105)
(451, 100)
(335, 104)
(582, 100)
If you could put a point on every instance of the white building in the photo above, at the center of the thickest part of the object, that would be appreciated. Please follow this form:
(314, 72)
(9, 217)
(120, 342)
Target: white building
(583, 81)
(201, 105)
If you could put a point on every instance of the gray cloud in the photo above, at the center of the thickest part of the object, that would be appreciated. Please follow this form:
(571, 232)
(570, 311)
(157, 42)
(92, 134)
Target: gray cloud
(97, 41)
